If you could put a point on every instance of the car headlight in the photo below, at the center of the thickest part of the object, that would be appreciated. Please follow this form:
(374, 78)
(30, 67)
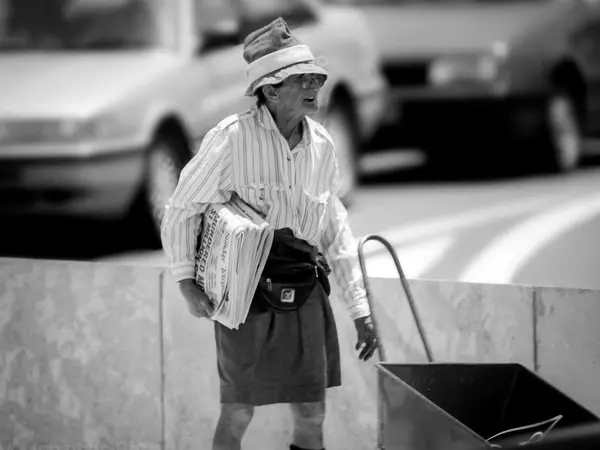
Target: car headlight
(20, 132)
(486, 67)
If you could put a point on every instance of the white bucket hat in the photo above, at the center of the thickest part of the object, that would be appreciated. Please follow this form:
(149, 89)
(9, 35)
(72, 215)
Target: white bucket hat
(273, 54)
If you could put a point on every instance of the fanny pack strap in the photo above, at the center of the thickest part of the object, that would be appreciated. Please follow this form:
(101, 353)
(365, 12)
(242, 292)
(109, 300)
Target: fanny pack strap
(291, 273)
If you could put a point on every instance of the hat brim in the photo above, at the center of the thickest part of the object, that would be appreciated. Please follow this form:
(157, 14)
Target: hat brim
(279, 75)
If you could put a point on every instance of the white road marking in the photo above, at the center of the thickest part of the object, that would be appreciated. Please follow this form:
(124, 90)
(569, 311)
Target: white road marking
(391, 160)
(477, 217)
(509, 252)
(142, 258)
(397, 236)
(415, 259)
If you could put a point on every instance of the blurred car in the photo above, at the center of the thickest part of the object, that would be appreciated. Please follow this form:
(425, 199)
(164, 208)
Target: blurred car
(104, 101)
(520, 78)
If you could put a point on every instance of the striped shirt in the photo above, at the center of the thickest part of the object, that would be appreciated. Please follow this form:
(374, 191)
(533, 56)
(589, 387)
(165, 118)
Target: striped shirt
(297, 189)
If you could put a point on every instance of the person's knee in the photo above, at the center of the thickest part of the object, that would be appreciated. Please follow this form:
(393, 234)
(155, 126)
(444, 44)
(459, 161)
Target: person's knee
(309, 414)
(236, 417)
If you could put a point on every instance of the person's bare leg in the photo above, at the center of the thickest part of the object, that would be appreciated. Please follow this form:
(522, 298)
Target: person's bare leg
(232, 425)
(308, 424)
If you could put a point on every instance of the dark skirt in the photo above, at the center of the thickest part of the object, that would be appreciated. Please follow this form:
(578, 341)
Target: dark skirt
(273, 358)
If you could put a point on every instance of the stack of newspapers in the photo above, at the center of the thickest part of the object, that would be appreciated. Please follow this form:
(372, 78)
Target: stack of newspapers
(234, 245)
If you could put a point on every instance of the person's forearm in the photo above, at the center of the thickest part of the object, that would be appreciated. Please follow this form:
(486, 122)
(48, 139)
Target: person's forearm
(348, 277)
(180, 231)
(202, 182)
(341, 247)
(187, 286)
(185, 283)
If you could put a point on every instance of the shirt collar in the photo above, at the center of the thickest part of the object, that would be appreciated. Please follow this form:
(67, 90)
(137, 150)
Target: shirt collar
(266, 120)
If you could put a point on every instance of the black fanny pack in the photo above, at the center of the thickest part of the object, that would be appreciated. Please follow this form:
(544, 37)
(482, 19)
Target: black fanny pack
(286, 287)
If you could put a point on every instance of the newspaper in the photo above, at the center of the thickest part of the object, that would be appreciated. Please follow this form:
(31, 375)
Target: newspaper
(234, 245)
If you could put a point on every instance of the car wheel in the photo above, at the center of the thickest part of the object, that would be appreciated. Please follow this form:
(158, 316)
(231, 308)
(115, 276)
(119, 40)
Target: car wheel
(164, 165)
(562, 144)
(340, 125)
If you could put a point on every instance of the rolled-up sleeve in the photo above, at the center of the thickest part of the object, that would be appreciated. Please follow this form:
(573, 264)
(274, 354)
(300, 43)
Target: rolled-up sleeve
(205, 180)
(341, 249)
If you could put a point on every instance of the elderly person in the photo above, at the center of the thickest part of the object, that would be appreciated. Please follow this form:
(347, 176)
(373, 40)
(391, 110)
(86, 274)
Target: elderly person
(282, 163)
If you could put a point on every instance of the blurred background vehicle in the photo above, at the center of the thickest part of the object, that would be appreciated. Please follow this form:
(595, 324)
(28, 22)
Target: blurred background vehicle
(104, 101)
(523, 75)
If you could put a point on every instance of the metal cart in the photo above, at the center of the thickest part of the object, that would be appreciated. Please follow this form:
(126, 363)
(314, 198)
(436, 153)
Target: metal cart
(456, 406)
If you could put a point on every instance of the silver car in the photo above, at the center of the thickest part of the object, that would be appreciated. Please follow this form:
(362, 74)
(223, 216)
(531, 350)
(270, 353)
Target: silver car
(104, 101)
(485, 82)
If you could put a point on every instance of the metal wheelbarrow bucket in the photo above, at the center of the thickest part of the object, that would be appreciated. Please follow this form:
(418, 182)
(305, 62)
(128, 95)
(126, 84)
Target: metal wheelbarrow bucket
(456, 406)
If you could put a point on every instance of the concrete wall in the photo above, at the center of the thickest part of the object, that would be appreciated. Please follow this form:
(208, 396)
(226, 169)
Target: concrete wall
(97, 355)
(80, 359)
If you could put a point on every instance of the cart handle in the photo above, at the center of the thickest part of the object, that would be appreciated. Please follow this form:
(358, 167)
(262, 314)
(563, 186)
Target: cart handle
(405, 286)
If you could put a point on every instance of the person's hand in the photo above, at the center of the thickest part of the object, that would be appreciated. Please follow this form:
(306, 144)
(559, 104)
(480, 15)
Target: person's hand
(198, 302)
(367, 339)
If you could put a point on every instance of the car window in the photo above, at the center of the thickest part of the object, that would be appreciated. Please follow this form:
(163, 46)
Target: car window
(82, 24)
(211, 15)
(258, 13)
(217, 23)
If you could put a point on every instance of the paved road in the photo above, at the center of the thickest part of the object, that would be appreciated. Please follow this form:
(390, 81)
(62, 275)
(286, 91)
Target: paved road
(532, 230)
(541, 230)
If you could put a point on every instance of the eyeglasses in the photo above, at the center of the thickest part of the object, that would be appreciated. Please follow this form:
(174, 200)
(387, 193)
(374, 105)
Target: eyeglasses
(306, 79)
